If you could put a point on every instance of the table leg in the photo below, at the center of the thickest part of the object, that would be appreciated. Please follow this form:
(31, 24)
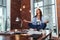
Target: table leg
(50, 36)
(34, 38)
(17, 37)
(30, 38)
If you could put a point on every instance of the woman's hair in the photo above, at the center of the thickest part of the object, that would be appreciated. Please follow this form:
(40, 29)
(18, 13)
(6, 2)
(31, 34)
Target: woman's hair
(40, 13)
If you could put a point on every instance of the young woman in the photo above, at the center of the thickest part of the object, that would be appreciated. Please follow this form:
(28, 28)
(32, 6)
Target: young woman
(38, 21)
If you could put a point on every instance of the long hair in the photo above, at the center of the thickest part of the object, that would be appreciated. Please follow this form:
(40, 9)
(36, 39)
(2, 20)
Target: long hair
(40, 14)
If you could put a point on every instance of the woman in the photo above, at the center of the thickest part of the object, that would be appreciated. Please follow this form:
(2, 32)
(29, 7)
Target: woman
(38, 22)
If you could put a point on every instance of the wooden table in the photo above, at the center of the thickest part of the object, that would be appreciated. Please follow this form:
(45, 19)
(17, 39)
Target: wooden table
(22, 36)
(42, 36)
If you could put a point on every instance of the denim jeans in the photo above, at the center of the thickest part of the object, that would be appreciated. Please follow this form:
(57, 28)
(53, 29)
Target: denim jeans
(38, 27)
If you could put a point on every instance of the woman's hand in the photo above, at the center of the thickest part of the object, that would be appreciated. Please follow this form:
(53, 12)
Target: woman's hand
(26, 21)
(46, 21)
(35, 29)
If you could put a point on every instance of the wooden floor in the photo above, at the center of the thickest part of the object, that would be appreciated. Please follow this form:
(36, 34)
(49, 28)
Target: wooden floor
(58, 38)
(55, 38)
(25, 39)
(17, 37)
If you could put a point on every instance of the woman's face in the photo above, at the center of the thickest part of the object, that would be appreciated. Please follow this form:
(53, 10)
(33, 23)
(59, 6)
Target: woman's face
(38, 12)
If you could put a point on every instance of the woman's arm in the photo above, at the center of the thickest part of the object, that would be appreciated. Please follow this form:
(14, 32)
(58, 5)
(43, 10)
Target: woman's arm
(46, 21)
(27, 21)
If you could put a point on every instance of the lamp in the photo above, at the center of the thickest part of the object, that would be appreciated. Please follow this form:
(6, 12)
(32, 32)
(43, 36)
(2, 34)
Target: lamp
(17, 19)
(30, 11)
(23, 6)
(20, 9)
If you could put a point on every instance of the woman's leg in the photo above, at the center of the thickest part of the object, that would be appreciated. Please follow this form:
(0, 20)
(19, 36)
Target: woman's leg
(32, 26)
(41, 26)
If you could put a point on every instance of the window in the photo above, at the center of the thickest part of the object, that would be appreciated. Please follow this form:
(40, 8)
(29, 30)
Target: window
(1, 18)
(48, 10)
(4, 16)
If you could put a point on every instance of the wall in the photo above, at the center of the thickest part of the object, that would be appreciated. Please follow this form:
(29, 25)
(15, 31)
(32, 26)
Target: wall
(15, 12)
(58, 13)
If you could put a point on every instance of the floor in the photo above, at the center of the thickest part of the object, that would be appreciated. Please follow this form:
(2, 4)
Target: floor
(55, 38)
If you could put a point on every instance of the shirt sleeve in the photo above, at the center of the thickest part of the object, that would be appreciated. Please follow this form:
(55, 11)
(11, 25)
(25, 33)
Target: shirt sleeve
(33, 21)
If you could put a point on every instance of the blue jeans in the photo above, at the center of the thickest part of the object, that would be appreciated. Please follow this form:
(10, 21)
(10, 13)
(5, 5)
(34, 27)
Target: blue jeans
(38, 27)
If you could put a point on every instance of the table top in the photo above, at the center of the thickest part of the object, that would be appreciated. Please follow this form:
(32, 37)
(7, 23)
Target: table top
(30, 32)
(9, 34)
